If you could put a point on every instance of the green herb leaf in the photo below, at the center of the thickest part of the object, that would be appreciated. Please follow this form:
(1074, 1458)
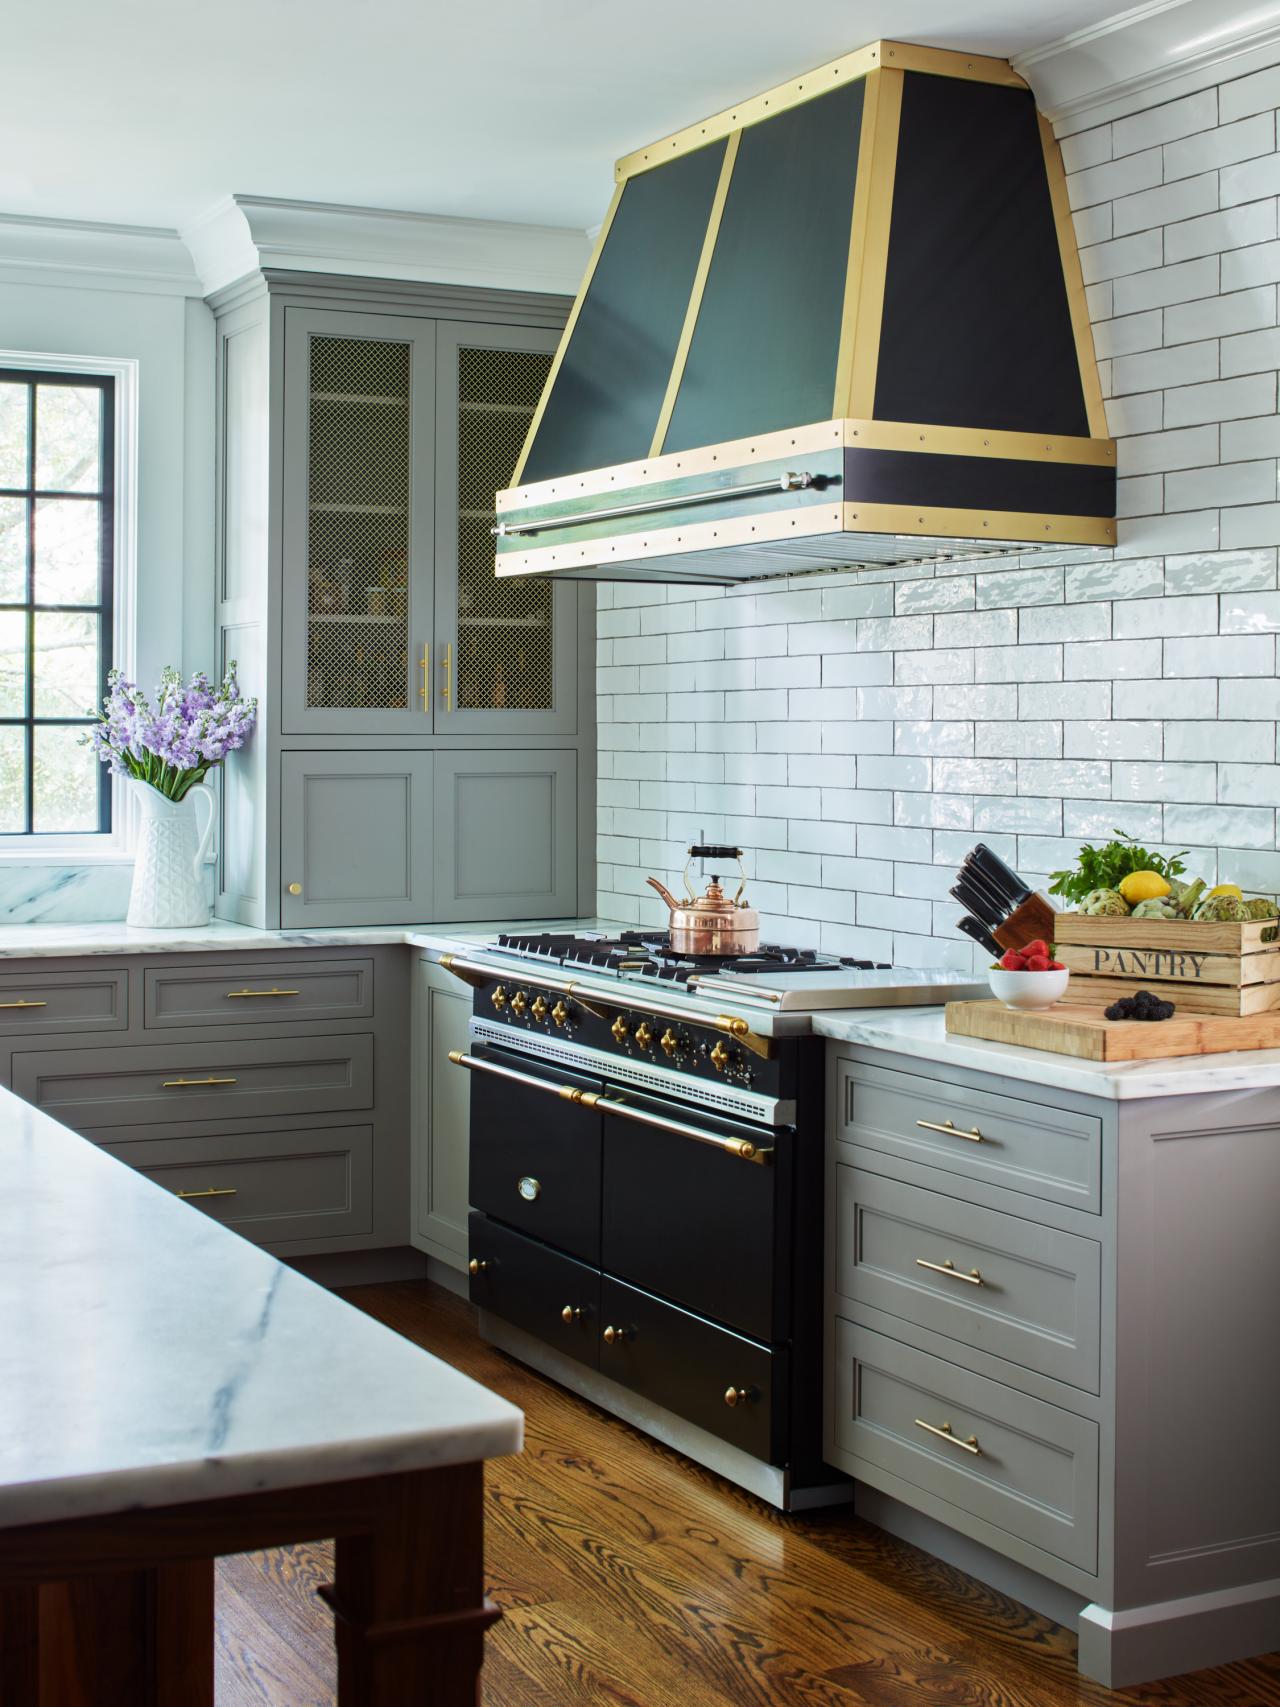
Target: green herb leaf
(1103, 868)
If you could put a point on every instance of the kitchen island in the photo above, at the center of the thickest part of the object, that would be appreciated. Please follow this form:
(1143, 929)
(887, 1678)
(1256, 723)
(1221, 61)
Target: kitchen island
(169, 1393)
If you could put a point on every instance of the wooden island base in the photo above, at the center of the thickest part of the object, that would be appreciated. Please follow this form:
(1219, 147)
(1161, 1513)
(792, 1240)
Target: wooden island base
(117, 1611)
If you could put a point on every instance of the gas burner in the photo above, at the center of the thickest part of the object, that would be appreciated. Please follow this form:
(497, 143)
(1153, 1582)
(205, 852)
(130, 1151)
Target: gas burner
(648, 955)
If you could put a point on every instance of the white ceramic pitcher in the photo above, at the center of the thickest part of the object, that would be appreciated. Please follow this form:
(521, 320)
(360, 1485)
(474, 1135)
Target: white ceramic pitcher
(168, 874)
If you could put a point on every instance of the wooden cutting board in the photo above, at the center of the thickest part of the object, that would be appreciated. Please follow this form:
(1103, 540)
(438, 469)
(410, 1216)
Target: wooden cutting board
(1084, 1032)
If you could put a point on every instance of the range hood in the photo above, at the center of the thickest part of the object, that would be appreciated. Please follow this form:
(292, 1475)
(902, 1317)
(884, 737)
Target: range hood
(840, 323)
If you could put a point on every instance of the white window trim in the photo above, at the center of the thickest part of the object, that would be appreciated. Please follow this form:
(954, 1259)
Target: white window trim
(117, 847)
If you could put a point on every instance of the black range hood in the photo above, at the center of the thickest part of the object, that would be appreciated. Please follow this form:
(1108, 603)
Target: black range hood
(840, 323)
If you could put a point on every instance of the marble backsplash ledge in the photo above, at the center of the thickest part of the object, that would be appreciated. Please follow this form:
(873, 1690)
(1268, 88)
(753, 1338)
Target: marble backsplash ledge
(64, 894)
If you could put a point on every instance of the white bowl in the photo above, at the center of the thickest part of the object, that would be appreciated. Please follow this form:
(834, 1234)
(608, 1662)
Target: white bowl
(1028, 989)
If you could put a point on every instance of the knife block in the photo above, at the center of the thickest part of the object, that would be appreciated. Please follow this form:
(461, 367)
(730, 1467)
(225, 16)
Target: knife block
(1033, 918)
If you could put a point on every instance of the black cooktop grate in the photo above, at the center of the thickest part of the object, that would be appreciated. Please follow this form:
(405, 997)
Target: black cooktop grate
(648, 954)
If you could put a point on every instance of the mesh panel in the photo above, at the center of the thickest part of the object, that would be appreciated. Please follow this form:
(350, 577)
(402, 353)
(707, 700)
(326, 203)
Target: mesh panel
(504, 627)
(359, 472)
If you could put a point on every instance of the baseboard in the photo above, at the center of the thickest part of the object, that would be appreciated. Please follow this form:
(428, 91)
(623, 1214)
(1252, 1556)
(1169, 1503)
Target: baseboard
(1007, 1576)
(452, 1279)
(1167, 1638)
(362, 1268)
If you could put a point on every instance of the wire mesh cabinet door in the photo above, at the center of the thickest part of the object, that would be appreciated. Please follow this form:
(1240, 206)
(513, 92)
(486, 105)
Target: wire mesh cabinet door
(359, 468)
(504, 649)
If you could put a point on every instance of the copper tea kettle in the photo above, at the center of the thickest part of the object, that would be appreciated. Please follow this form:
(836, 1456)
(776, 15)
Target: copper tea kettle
(711, 923)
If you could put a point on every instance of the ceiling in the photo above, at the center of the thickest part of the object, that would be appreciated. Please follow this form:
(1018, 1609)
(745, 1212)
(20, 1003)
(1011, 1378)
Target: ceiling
(147, 112)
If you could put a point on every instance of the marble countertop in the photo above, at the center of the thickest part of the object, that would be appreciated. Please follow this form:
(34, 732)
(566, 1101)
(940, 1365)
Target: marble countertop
(920, 1033)
(150, 1356)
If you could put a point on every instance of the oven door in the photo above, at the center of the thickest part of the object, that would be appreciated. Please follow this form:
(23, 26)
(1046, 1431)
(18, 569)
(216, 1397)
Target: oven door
(535, 1148)
(697, 1208)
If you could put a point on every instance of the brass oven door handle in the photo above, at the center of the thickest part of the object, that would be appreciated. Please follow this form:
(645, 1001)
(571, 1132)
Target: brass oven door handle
(944, 1433)
(947, 1267)
(952, 1131)
(209, 1191)
(24, 1004)
(744, 1148)
(187, 1084)
(243, 995)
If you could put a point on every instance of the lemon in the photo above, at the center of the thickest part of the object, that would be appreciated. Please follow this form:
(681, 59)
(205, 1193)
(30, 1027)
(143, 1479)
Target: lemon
(1232, 889)
(1143, 886)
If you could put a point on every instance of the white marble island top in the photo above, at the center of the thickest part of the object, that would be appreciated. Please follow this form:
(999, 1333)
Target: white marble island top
(150, 1356)
(920, 1033)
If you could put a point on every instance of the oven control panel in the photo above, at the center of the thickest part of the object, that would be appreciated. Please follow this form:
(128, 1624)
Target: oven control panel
(723, 1049)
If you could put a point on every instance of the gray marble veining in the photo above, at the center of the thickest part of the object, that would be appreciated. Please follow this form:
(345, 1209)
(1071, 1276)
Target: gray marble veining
(151, 1356)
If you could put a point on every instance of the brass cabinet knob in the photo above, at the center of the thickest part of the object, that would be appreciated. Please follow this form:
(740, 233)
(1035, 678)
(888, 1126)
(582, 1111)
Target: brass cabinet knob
(669, 1042)
(619, 1028)
(616, 1336)
(571, 1313)
(539, 1008)
(477, 1265)
(735, 1396)
(529, 1188)
(519, 1002)
(499, 998)
(559, 1013)
(295, 889)
(644, 1037)
(719, 1057)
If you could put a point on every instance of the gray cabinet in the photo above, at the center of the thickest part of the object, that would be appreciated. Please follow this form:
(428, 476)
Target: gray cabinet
(441, 1114)
(355, 838)
(505, 834)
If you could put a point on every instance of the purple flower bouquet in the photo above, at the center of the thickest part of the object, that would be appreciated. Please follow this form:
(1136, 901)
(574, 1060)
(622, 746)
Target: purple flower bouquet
(175, 744)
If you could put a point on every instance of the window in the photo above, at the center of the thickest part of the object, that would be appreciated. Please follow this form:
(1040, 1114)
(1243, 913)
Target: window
(57, 534)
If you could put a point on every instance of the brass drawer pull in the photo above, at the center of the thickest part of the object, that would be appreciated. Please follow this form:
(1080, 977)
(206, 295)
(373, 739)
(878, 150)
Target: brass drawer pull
(952, 1131)
(240, 995)
(209, 1191)
(572, 1313)
(973, 1278)
(477, 1265)
(618, 1336)
(186, 1084)
(735, 1396)
(24, 1004)
(944, 1433)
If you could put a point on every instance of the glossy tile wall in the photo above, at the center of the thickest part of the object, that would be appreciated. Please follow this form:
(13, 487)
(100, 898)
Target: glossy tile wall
(858, 733)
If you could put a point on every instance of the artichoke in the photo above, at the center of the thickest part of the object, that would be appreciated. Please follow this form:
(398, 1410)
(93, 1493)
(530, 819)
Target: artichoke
(1189, 897)
(1105, 903)
(1221, 909)
(1159, 907)
(1177, 889)
(1260, 908)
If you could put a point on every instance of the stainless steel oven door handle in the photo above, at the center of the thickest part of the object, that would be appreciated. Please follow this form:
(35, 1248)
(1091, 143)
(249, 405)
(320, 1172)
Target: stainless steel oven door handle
(745, 1149)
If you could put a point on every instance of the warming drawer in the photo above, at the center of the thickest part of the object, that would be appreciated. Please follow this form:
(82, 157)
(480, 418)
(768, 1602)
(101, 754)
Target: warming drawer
(539, 1290)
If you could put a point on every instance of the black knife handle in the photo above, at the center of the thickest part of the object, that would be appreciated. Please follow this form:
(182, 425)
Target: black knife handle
(996, 871)
(976, 903)
(973, 928)
(996, 897)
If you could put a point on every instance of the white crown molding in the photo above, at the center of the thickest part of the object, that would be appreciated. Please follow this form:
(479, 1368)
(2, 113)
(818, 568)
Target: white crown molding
(81, 253)
(245, 233)
(1148, 55)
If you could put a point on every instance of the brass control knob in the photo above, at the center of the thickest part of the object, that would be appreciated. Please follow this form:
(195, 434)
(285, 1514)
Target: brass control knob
(719, 1057)
(571, 1314)
(499, 998)
(477, 1265)
(616, 1336)
(669, 1042)
(644, 1037)
(735, 1396)
(519, 1002)
(619, 1028)
(559, 1013)
(539, 1008)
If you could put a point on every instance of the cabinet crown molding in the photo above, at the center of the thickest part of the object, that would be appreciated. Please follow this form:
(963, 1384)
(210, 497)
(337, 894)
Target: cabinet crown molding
(1146, 56)
(244, 234)
(98, 256)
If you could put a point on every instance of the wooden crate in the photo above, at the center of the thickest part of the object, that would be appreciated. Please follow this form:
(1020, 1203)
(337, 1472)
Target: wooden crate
(1202, 966)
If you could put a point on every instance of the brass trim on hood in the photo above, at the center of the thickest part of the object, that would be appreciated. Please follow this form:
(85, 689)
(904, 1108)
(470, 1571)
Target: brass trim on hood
(1077, 301)
(859, 353)
(903, 56)
(979, 525)
(696, 292)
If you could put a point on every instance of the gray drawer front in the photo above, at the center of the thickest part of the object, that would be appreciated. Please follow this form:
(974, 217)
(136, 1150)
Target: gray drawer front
(64, 1001)
(1036, 1299)
(135, 1084)
(1024, 1146)
(1035, 1475)
(269, 1186)
(215, 994)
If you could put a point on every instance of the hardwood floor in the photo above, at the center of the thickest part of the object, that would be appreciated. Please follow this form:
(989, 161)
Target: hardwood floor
(631, 1578)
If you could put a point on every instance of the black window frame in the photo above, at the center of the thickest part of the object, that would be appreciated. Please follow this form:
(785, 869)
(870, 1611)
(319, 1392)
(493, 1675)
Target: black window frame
(105, 498)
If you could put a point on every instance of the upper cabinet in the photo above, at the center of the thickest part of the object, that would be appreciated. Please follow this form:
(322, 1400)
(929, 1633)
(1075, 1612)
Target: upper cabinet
(398, 430)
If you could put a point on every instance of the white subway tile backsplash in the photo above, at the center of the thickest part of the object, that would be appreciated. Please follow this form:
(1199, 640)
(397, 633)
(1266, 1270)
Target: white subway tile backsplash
(1160, 699)
(1183, 199)
(1163, 780)
(933, 737)
(1250, 352)
(1065, 778)
(1243, 440)
(1251, 524)
(1171, 119)
(1232, 228)
(1043, 623)
(1258, 264)
(1017, 814)
(1220, 739)
(1244, 655)
(1221, 572)
(934, 666)
(1249, 785)
(1224, 400)
(1019, 588)
(1110, 660)
(1106, 739)
(1017, 740)
(1222, 146)
(1135, 254)
(1019, 664)
(1161, 285)
(994, 701)
(1256, 699)
(1250, 613)
(1155, 453)
(1115, 178)
(1063, 700)
(943, 811)
(1137, 578)
(1232, 483)
(1251, 94)
(1219, 316)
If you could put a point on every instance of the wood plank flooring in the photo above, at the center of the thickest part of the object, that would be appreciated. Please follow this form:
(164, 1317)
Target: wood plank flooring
(631, 1578)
